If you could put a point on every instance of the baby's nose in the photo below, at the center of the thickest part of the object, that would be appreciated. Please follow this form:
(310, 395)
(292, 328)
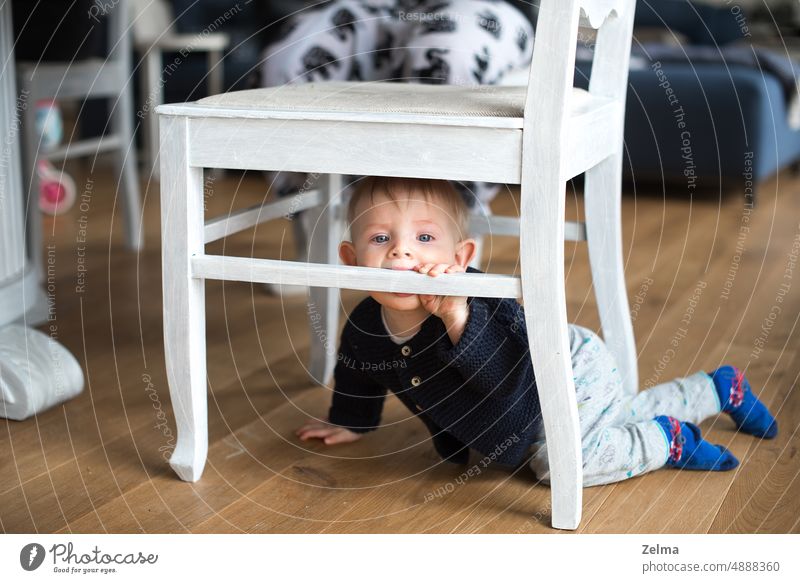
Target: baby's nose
(401, 250)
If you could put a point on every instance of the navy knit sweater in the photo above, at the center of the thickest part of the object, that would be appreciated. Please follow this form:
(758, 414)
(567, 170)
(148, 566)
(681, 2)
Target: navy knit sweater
(480, 393)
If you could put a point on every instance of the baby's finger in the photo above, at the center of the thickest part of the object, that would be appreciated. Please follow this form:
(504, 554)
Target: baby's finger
(427, 299)
(454, 269)
(438, 269)
(311, 425)
(425, 267)
(340, 437)
(323, 433)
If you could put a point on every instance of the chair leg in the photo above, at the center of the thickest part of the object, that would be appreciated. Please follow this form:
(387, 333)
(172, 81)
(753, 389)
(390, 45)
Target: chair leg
(151, 95)
(302, 225)
(216, 79)
(184, 298)
(477, 260)
(602, 196)
(323, 303)
(127, 169)
(542, 274)
(480, 241)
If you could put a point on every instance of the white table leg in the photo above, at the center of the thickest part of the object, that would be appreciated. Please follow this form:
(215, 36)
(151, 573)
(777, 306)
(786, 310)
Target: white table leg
(542, 273)
(602, 195)
(184, 297)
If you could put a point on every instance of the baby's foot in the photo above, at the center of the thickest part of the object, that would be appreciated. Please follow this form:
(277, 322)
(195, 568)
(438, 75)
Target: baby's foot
(750, 415)
(689, 451)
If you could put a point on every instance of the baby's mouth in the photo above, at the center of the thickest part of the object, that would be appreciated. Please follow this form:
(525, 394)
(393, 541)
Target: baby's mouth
(401, 268)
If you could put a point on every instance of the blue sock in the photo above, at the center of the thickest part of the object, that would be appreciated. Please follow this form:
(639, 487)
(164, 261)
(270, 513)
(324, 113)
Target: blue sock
(689, 451)
(750, 415)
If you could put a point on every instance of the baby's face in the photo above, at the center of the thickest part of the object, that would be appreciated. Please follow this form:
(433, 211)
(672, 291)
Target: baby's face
(402, 234)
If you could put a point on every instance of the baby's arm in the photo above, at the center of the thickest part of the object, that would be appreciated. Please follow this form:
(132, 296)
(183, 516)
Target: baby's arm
(488, 337)
(356, 406)
(492, 354)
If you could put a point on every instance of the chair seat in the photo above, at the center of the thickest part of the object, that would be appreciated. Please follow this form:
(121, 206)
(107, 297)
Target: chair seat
(339, 128)
(484, 105)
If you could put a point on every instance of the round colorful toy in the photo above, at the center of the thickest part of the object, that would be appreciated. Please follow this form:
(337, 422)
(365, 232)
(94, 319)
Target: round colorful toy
(56, 189)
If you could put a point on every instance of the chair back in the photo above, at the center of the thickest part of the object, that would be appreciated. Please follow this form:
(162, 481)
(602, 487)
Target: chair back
(550, 80)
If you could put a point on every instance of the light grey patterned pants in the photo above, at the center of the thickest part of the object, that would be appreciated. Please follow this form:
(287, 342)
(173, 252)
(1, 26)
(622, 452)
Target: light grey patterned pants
(619, 438)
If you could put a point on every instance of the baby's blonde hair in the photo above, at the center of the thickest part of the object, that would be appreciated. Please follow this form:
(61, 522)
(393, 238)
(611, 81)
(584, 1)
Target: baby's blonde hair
(432, 190)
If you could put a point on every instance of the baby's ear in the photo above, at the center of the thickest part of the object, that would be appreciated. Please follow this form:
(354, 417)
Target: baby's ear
(347, 253)
(465, 251)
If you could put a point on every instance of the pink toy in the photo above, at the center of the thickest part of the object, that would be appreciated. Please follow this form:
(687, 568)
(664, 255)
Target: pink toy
(56, 189)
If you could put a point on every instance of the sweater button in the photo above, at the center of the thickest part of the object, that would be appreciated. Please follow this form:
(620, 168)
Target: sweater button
(416, 381)
(406, 350)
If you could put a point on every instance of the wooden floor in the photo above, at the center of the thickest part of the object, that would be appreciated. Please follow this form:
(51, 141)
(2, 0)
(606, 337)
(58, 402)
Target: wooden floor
(98, 463)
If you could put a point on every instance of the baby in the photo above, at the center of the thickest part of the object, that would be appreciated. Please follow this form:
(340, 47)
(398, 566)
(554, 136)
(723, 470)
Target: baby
(462, 364)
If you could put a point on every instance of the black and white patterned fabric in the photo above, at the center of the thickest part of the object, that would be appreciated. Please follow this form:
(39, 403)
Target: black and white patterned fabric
(458, 42)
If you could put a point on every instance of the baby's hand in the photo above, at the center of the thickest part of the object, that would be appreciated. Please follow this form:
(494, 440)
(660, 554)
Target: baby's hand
(329, 433)
(448, 308)
(453, 310)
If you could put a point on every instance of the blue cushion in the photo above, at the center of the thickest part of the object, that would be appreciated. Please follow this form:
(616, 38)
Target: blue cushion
(701, 23)
(733, 117)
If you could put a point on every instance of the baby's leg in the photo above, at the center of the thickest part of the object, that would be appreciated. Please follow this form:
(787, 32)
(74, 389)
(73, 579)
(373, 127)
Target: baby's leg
(610, 452)
(700, 396)
(693, 398)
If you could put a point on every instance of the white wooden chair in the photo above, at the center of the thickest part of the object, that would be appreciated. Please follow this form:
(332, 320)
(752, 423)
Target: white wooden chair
(153, 35)
(538, 136)
(96, 77)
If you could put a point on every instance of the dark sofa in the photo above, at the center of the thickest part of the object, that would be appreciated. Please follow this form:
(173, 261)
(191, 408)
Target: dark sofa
(735, 130)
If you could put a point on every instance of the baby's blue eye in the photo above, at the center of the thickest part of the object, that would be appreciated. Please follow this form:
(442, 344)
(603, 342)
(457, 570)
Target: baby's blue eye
(426, 238)
(380, 238)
